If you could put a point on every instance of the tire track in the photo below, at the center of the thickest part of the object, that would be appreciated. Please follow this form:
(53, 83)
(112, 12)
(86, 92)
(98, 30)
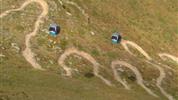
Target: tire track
(27, 53)
(96, 65)
(136, 72)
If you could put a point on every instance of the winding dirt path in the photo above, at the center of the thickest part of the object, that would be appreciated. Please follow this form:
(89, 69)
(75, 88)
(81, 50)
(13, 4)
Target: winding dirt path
(161, 70)
(68, 70)
(165, 55)
(160, 79)
(76, 5)
(27, 53)
(136, 72)
(126, 43)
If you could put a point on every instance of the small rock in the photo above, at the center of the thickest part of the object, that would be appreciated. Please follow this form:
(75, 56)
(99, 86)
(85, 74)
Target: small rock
(45, 30)
(60, 2)
(92, 33)
(58, 48)
(68, 13)
(120, 69)
(15, 46)
(51, 62)
(79, 57)
(76, 70)
(2, 55)
(3, 48)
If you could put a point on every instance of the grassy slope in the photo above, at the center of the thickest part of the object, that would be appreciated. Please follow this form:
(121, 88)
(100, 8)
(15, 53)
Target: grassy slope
(151, 24)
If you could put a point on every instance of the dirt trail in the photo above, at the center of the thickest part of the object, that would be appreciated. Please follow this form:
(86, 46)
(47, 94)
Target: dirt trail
(136, 72)
(160, 79)
(78, 7)
(68, 70)
(126, 43)
(27, 53)
(14, 10)
(165, 55)
(161, 70)
(74, 4)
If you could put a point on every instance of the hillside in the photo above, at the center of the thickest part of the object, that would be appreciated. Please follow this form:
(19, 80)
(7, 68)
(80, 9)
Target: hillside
(81, 63)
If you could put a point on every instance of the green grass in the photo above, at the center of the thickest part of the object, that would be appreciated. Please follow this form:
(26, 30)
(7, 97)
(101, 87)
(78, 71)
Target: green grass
(45, 85)
(151, 24)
